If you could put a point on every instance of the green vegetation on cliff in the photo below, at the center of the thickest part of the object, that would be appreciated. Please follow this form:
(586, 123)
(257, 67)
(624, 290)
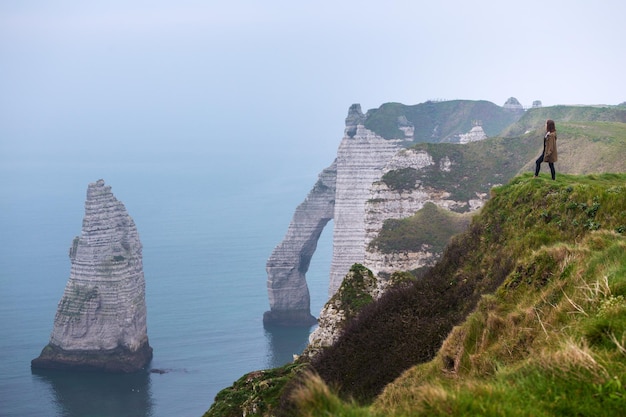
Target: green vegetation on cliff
(591, 140)
(526, 316)
(258, 393)
(438, 121)
(535, 118)
(431, 226)
(467, 170)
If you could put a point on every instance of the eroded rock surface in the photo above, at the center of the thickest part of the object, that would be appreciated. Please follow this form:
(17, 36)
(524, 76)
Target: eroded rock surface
(360, 161)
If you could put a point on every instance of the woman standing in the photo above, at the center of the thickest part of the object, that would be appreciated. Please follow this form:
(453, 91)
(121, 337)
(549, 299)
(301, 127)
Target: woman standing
(549, 154)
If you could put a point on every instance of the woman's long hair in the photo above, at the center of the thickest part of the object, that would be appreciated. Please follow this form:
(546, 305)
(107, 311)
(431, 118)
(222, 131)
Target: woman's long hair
(550, 127)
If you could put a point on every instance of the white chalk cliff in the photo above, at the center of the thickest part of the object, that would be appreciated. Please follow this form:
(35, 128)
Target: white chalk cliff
(101, 323)
(354, 196)
(360, 162)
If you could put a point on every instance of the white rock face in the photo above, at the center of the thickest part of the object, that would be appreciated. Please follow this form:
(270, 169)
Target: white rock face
(360, 161)
(103, 308)
(286, 268)
(388, 263)
(331, 321)
(381, 203)
(476, 134)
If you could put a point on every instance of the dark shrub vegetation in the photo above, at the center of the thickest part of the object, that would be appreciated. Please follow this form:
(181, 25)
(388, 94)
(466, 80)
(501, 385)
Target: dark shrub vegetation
(405, 327)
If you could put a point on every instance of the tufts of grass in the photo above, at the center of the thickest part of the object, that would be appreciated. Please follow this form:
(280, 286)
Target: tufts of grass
(529, 351)
(315, 398)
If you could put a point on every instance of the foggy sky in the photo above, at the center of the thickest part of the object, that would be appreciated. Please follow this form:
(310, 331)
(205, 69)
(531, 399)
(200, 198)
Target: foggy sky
(265, 80)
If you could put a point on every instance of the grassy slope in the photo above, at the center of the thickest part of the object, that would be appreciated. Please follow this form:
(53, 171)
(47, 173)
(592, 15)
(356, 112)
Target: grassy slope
(544, 265)
(535, 118)
(477, 166)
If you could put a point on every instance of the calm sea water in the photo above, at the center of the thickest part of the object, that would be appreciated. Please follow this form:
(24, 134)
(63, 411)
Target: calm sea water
(206, 237)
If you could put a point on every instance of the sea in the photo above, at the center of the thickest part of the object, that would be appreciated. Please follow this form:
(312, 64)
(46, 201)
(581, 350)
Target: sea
(207, 229)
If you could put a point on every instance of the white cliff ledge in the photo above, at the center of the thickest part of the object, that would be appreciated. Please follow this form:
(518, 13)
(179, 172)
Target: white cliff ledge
(100, 323)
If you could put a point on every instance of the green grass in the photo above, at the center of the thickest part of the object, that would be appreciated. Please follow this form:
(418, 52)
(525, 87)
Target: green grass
(534, 119)
(256, 393)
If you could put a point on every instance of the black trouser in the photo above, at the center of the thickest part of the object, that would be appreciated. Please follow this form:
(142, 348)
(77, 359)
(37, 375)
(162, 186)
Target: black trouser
(538, 166)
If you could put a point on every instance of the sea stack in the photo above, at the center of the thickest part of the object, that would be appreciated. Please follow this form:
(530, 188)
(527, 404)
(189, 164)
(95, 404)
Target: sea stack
(100, 323)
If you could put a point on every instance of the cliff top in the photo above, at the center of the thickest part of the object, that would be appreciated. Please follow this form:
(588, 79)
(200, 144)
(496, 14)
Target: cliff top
(435, 121)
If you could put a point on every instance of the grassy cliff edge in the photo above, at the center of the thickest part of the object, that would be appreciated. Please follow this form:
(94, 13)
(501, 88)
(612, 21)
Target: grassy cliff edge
(546, 263)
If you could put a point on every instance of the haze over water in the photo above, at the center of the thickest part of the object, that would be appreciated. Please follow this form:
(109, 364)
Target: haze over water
(205, 243)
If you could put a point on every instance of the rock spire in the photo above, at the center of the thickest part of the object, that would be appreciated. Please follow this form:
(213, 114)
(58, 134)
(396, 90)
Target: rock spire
(100, 323)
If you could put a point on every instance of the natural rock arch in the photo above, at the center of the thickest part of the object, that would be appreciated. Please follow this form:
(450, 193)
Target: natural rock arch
(288, 292)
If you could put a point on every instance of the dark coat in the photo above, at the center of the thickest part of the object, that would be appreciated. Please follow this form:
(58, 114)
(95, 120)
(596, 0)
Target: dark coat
(549, 143)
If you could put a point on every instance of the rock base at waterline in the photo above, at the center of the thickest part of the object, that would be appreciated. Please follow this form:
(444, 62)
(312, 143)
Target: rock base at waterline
(289, 318)
(118, 360)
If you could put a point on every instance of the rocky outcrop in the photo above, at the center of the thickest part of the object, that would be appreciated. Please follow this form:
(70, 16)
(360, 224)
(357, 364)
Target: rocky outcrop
(359, 288)
(474, 135)
(513, 105)
(100, 323)
(287, 266)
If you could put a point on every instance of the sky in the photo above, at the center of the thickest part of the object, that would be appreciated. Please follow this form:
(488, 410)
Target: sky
(259, 81)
